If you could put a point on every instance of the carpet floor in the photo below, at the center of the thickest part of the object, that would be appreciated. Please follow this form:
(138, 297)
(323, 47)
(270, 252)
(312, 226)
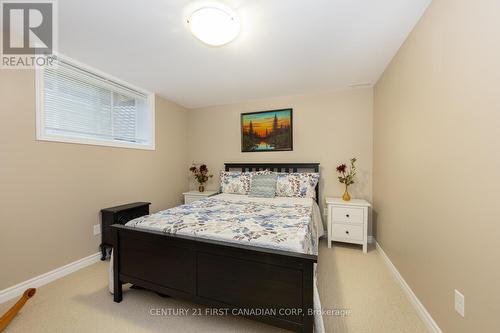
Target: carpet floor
(357, 288)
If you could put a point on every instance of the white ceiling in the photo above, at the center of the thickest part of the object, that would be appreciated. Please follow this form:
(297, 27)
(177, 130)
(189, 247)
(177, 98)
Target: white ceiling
(286, 47)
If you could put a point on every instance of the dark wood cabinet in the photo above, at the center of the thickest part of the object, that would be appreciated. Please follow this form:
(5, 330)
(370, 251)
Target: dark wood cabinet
(119, 215)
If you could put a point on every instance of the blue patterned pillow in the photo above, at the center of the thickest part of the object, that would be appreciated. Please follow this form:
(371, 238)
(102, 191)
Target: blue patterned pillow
(297, 184)
(235, 182)
(263, 186)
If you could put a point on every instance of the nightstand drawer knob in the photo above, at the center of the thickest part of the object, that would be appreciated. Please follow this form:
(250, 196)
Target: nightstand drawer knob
(347, 232)
(346, 215)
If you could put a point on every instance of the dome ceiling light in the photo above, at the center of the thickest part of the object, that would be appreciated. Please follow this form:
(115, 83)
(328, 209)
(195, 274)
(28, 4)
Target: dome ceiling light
(214, 26)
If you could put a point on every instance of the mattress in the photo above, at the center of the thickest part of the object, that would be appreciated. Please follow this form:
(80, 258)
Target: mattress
(288, 224)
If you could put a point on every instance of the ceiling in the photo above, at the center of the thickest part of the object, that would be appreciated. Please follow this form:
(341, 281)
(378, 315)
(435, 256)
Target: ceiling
(286, 47)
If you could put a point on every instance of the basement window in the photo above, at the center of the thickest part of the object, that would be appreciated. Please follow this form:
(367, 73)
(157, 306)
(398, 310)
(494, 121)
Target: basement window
(77, 104)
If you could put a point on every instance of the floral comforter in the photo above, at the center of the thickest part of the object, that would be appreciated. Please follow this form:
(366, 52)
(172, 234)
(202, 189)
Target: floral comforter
(289, 224)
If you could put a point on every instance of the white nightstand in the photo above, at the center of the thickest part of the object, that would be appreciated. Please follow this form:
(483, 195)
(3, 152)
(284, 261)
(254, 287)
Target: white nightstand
(196, 195)
(348, 221)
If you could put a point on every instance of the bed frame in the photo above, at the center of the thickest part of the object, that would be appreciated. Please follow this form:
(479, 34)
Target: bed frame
(272, 286)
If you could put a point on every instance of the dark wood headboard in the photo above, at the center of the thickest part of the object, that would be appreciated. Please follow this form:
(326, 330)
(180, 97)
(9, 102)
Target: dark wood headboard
(277, 167)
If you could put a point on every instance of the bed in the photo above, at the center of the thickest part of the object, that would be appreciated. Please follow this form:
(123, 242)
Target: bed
(256, 256)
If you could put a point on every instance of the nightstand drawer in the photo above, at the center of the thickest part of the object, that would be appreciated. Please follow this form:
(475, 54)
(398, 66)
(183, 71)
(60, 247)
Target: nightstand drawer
(349, 232)
(347, 214)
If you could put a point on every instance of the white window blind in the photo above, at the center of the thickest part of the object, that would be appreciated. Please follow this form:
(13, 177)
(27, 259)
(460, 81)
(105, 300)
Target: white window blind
(80, 106)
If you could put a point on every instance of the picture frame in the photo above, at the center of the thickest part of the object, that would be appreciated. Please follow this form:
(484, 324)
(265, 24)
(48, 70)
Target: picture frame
(265, 131)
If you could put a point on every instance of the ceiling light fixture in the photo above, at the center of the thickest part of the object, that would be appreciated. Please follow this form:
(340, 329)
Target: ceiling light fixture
(214, 25)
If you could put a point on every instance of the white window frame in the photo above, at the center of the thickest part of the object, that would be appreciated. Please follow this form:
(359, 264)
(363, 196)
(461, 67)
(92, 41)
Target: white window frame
(40, 117)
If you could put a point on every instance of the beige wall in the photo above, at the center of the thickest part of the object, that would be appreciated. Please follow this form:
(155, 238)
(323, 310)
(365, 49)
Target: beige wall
(327, 128)
(51, 193)
(437, 162)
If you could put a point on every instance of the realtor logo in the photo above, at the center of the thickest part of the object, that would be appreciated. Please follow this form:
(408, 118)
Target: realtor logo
(28, 33)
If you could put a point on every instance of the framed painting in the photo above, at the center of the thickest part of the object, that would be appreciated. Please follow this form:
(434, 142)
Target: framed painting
(267, 131)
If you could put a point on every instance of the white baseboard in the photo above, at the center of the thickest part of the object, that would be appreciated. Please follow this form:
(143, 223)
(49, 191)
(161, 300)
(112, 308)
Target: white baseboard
(38, 281)
(421, 310)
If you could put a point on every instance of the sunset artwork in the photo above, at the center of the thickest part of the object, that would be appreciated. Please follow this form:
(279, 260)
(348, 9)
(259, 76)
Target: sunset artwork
(266, 131)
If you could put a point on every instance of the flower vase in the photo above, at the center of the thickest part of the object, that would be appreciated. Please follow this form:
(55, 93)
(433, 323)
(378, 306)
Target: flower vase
(201, 188)
(346, 196)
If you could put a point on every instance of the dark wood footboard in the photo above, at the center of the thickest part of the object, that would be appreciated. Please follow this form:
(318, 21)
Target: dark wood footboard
(272, 286)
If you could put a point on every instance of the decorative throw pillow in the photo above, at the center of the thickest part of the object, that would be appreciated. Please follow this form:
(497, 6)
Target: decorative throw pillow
(297, 184)
(262, 172)
(263, 185)
(254, 173)
(235, 182)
